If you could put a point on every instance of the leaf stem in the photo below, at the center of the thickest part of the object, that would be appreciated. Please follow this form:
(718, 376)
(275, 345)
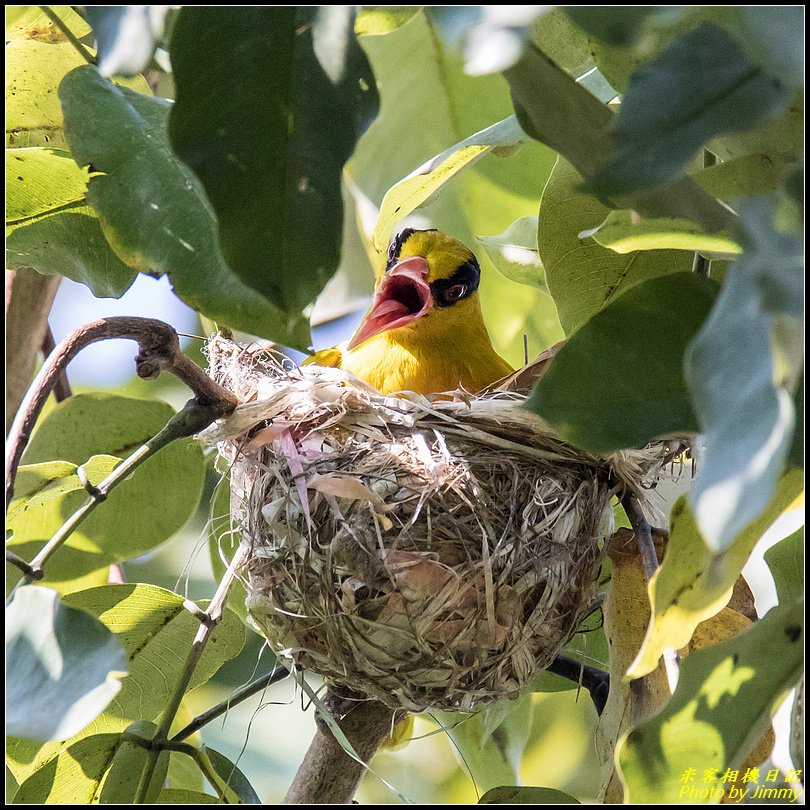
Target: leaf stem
(69, 35)
(260, 684)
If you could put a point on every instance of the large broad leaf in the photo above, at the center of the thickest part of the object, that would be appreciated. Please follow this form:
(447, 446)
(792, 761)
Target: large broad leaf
(583, 277)
(32, 23)
(153, 210)
(626, 232)
(63, 666)
(786, 561)
(420, 185)
(526, 795)
(156, 630)
(139, 514)
(742, 369)
(121, 782)
(431, 96)
(270, 103)
(50, 227)
(693, 583)
(125, 36)
(725, 697)
(377, 20)
(621, 25)
(700, 86)
(233, 779)
(618, 382)
(744, 176)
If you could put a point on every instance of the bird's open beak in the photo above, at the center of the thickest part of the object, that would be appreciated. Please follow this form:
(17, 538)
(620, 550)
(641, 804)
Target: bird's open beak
(403, 296)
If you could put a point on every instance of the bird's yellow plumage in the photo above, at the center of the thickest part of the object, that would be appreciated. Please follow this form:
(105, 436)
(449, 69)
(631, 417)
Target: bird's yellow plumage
(424, 331)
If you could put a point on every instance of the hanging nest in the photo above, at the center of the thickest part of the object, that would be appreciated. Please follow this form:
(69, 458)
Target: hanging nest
(429, 553)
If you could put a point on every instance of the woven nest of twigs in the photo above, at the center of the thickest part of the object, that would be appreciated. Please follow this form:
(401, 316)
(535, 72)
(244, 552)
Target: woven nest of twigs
(428, 553)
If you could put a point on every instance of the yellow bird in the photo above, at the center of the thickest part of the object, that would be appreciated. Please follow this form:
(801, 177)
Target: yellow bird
(424, 331)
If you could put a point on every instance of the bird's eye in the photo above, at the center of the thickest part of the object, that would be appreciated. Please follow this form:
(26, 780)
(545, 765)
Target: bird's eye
(454, 293)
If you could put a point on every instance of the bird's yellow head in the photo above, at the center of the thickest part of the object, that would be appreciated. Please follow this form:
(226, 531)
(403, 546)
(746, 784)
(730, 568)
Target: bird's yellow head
(425, 271)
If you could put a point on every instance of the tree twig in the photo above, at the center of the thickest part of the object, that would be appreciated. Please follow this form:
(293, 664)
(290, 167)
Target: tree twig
(159, 351)
(61, 389)
(328, 775)
(69, 35)
(240, 695)
(214, 614)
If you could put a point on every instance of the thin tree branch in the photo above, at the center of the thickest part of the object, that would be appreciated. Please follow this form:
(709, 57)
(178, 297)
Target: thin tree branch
(240, 695)
(159, 351)
(69, 35)
(595, 680)
(214, 613)
(328, 775)
(61, 390)
(12, 558)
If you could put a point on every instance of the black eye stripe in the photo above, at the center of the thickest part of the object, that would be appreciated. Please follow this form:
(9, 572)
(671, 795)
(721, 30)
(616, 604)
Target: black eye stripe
(468, 275)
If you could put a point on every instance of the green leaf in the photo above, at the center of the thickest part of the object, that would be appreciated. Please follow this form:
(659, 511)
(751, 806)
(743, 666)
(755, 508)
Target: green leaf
(743, 176)
(233, 778)
(526, 795)
(644, 396)
(514, 253)
(376, 20)
(72, 777)
(421, 184)
(433, 96)
(156, 630)
(178, 796)
(50, 227)
(620, 25)
(627, 232)
(553, 108)
(120, 783)
(125, 36)
(270, 103)
(774, 37)
(725, 697)
(702, 85)
(694, 583)
(786, 561)
(36, 485)
(563, 42)
(168, 226)
(32, 23)
(64, 666)
(584, 277)
(140, 513)
(492, 758)
(33, 72)
(742, 368)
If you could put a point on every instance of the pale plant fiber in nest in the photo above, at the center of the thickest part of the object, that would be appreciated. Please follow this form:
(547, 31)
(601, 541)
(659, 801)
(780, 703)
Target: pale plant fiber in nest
(430, 554)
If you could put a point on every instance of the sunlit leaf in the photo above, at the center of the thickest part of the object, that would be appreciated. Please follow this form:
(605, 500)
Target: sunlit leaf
(64, 666)
(376, 20)
(416, 189)
(702, 85)
(156, 630)
(32, 23)
(743, 176)
(786, 561)
(645, 395)
(693, 583)
(742, 368)
(514, 252)
(121, 782)
(125, 36)
(270, 103)
(725, 697)
(140, 513)
(626, 232)
(49, 226)
(167, 226)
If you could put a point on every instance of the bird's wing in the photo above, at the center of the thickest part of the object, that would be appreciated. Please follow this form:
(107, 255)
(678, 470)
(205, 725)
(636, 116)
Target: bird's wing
(333, 358)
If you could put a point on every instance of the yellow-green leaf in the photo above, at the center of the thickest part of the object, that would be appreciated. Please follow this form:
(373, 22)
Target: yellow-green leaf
(693, 583)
